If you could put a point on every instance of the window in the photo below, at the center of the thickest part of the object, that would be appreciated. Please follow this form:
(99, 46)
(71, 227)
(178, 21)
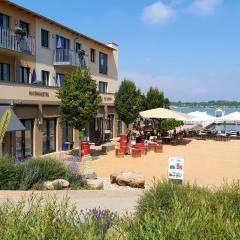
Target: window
(24, 26)
(78, 47)
(44, 38)
(24, 75)
(49, 135)
(62, 42)
(102, 87)
(45, 78)
(59, 79)
(67, 132)
(24, 140)
(103, 63)
(92, 55)
(4, 21)
(4, 72)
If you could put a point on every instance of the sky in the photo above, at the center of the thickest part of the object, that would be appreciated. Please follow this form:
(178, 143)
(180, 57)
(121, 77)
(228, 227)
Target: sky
(190, 49)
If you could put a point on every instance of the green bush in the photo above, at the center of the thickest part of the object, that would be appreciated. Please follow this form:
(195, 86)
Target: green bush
(173, 211)
(169, 124)
(50, 219)
(32, 173)
(8, 174)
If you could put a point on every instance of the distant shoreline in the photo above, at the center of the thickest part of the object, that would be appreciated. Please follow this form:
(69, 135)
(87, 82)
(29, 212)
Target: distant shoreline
(203, 106)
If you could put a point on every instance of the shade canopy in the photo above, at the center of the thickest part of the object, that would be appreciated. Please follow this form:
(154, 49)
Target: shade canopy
(14, 124)
(163, 113)
(234, 117)
(200, 118)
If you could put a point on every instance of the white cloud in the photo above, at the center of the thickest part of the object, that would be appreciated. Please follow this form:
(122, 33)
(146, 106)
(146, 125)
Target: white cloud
(157, 13)
(205, 7)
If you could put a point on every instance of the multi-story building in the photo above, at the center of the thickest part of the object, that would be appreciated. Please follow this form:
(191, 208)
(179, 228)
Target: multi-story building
(35, 53)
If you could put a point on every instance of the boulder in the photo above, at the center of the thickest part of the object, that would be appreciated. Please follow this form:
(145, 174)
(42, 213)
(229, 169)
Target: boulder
(56, 184)
(95, 184)
(48, 185)
(113, 178)
(131, 179)
(62, 183)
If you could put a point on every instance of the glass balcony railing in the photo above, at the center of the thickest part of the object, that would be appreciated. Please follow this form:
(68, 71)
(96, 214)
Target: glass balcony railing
(69, 57)
(17, 42)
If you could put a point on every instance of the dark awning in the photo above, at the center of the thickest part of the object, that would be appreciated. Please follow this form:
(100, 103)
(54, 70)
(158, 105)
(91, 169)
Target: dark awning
(14, 124)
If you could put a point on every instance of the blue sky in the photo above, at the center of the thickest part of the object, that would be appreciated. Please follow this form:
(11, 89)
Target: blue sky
(190, 49)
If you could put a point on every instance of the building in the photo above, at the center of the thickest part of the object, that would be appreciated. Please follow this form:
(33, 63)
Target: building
(35, 53)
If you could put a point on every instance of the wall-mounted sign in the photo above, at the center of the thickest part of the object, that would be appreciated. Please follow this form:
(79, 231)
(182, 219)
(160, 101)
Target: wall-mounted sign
(176, 168)
(38, 94)
(107, 99)
(6, 117)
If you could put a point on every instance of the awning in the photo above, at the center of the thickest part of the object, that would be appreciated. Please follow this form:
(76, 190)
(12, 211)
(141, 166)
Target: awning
(14, 124)
(163, 113)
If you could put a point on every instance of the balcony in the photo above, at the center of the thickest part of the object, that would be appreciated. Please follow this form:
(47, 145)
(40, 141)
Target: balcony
(17, 43)
(67, 57)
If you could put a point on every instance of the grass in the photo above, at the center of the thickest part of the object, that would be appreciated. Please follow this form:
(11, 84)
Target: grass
(40, 219)
(173, 211)
(32, 173)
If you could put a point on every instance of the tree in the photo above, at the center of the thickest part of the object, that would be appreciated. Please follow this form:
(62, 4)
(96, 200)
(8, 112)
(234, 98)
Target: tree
(128, 101)
(79, 99)
(154, 98)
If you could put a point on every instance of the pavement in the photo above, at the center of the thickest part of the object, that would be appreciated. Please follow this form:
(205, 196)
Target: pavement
(122, 202)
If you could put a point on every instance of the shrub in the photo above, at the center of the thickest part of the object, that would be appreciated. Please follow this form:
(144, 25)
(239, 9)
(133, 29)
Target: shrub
(32, 173)
(50, 219)
(173, 211)
(8, 174)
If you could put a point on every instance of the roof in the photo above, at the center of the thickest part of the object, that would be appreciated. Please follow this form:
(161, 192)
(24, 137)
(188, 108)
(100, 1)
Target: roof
(60, 25)
(14, 124)
(235, 116)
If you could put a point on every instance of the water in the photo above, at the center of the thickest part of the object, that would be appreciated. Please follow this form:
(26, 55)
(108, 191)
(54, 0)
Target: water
(211, 111)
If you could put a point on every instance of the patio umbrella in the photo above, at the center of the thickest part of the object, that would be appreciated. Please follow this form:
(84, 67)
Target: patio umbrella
(200, 118)
(232, 117)
(34, 77)
(163, 113)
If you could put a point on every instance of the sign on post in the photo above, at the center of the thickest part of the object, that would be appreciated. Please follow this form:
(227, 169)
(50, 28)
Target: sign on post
(6, 117)
(176, 168)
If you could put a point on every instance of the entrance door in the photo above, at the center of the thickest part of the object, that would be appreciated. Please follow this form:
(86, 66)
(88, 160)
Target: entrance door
(110, 124)
(49, 135)
(24, 140)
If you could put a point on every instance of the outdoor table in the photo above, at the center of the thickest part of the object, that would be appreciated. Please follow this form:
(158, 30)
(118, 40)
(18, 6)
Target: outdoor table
(167, 139)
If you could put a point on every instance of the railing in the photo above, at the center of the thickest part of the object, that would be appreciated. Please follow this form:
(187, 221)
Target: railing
(15, 42)
(70, 57)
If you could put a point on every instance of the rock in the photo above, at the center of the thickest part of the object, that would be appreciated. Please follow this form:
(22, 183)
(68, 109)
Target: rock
(95, 184)
(56, 184)
(90, 176)
(131, 179)
(113, 178)
(48, 185)
(62, 183)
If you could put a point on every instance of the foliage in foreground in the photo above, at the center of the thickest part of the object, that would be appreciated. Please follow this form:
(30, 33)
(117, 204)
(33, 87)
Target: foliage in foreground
(167, 211)
(169, 124)
(32, 173)
(173, 211)
(49, 219)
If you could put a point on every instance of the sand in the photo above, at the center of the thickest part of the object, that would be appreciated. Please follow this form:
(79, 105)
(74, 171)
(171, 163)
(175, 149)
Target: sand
(207, 162)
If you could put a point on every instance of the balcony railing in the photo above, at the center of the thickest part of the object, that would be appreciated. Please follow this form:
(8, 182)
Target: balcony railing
(15, 42)
(70, 57)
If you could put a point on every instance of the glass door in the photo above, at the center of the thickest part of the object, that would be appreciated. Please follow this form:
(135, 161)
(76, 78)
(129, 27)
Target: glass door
(110, 124)
(49, 135)
(24, 141)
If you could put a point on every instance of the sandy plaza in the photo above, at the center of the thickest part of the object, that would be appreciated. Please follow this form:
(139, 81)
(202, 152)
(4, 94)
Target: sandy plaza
(207, 162)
